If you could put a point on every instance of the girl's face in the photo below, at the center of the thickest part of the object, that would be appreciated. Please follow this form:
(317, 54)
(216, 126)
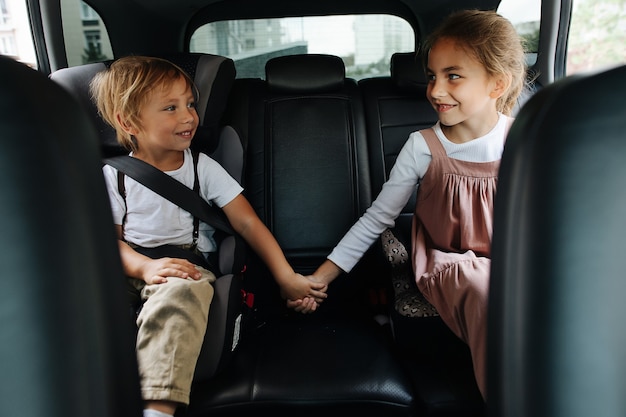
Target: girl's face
(168, 120)
(460, 90)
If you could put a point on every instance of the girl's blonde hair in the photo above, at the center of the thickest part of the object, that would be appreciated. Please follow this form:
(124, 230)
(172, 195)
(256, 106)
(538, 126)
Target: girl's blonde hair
(493, 41)
(124, 89)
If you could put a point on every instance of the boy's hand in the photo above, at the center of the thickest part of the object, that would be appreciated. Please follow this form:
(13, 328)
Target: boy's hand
(308, 304)
(157, 271)
(300, 287)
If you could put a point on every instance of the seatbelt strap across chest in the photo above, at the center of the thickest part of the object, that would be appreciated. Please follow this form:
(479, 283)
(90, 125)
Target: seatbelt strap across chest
(171, 189)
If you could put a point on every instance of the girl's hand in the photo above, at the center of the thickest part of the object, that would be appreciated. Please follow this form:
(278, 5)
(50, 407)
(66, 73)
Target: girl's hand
(300, 287)
(308, 304)
(305, 306)
(157, 271)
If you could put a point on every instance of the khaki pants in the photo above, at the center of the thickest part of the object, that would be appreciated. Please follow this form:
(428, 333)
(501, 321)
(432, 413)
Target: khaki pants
(171, 328)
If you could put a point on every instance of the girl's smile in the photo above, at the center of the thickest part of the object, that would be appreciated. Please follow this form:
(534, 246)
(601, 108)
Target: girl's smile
(442, 108)
(461, 91)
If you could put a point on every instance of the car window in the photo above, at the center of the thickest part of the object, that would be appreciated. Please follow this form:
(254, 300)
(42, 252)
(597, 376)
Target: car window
(526, 17)
(15, 38)
(364, 42)
(597, 36)
(86, 38)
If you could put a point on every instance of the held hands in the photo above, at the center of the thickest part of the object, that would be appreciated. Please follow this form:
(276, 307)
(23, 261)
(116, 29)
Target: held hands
(324, 275)
(157, 271)
(308, 304)
(305, 305)
(300, 287)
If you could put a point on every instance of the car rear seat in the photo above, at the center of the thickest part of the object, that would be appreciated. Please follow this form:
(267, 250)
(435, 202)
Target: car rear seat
(307, 172)
(396, 106)
(307, 176)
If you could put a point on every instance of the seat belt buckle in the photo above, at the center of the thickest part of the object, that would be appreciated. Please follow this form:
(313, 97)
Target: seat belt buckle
(247, 298)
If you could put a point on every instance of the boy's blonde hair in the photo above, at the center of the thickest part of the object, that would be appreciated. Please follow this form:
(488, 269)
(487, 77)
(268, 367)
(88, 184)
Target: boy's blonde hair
(124, 88)
(493, 41)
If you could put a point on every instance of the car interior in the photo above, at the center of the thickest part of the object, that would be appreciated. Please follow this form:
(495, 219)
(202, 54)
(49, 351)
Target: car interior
(556, 249)
(312, 147)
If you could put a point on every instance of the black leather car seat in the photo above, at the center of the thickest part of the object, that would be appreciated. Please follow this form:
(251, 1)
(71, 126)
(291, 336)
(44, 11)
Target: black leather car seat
(396, 106)
(65, 335)
(556, 314)
(307, 177)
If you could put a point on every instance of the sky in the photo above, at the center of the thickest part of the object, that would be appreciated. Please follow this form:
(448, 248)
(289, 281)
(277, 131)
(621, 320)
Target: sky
(518, 11)
(336, 38)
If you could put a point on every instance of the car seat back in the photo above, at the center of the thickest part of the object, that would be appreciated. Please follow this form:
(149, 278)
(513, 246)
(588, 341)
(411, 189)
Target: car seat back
(319, 178)
(213, 76)
(307, 177)
(556, 311)
(307, 170)
(395, 107)
(66, 338)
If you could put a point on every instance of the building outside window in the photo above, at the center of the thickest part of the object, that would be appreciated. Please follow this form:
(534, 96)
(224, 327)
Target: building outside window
(15, 36)
(5, 17)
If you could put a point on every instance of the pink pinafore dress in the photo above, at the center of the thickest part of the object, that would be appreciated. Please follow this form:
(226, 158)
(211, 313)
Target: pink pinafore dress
(452, 229)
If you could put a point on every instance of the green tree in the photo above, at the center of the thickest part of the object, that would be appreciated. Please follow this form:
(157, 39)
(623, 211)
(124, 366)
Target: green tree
(597, 35)
(531, 41)
(92, 54)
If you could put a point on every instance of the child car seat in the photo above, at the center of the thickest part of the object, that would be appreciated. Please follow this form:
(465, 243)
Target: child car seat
(213, 76)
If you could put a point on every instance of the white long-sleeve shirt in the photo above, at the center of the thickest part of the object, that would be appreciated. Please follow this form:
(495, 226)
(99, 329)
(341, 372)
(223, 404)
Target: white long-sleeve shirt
(405, 176)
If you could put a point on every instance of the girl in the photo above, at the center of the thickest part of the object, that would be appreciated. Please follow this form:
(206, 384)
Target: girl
(150, 102)
(476, 71)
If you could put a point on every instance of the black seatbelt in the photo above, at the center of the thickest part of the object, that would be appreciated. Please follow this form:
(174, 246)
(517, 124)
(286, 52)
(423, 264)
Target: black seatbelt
(179, 194)
(171, 189)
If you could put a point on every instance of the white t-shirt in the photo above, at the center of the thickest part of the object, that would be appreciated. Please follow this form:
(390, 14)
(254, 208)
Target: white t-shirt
(405, 176)
(152, 220)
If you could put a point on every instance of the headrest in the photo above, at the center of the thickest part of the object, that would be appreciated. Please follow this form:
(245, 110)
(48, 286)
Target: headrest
(305, 73)
(213, 76)
(76, 81)
(407, 71)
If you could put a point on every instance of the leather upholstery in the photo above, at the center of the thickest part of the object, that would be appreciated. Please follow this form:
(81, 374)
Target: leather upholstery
(307, 176)
(305, 73)
(65, 335)
(317, 181)
(556, 330)
(395, 106)
(408, 71)
(350, 363)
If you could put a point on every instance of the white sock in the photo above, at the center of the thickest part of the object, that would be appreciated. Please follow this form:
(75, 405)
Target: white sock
(148, 412)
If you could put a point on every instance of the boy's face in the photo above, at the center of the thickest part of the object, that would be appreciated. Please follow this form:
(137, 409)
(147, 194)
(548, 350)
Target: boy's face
(168, 120)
